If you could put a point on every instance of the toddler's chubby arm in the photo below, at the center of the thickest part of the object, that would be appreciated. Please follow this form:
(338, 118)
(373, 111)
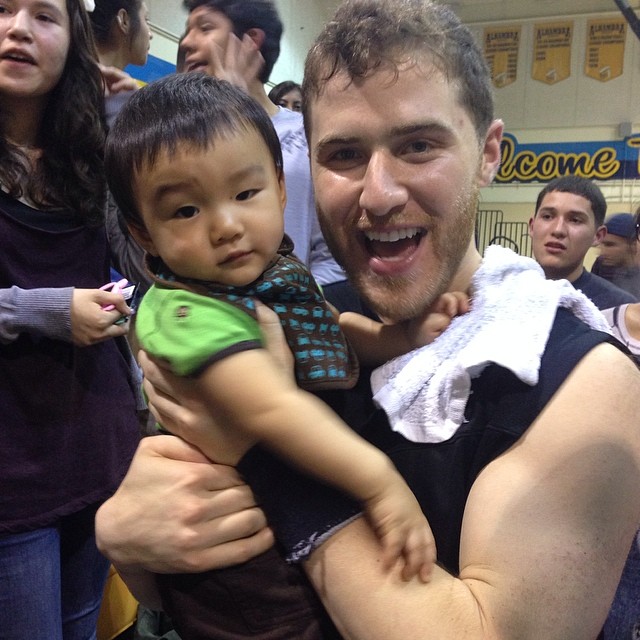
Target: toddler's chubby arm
(377, 342)
(254, 401)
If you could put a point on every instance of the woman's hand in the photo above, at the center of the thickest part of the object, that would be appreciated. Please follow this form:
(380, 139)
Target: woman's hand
(116, 80)
(90, 323)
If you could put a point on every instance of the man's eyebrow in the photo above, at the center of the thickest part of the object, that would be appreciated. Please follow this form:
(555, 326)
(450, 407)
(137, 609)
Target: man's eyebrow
(332, 141)
(428, 127)
(570, 212)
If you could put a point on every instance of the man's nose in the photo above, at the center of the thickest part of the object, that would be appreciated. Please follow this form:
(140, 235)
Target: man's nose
(383, 190)
(559, 227)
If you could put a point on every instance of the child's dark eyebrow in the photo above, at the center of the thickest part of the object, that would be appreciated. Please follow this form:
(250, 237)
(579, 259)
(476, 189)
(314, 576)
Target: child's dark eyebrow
(248, 172)
(251, 171)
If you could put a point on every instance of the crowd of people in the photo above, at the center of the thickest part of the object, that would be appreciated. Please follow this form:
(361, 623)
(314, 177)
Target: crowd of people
(454, 480)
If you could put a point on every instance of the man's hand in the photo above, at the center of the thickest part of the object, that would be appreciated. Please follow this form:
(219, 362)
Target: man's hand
(175, 512)
(239, 63)
(177, 403)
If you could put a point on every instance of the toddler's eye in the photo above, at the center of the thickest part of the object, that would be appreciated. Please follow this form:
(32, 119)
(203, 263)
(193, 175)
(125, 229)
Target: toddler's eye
(186, 212)
(245, 195)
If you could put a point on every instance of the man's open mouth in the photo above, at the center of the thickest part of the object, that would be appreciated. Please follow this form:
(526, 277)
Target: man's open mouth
(394, 244)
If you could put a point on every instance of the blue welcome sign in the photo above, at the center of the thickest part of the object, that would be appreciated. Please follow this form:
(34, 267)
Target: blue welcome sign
(542, 162)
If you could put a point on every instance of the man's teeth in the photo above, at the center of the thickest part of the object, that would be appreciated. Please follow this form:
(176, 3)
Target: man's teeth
(392, 236)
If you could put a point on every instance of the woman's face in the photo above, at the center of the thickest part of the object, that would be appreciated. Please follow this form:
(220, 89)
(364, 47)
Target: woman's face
(34, 42)
(140, 37)
(291, 100)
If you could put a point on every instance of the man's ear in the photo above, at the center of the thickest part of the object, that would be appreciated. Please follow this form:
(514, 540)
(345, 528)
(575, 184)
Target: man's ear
(257, 35)
(142, 237)
(123, 22)
(490, 163)
(601, 232)
(531, 226)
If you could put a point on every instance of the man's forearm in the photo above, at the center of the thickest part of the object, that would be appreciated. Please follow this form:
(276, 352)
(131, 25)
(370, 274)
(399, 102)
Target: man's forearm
(443, 609)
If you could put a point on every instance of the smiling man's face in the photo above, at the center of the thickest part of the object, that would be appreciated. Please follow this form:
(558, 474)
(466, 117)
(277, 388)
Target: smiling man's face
(397, 165)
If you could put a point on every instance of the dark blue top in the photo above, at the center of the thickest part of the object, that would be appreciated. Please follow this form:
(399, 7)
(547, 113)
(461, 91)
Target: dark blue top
(603, 293)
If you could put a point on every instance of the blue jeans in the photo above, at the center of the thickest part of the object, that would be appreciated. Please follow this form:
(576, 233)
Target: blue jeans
(623, 622)
(51, 581)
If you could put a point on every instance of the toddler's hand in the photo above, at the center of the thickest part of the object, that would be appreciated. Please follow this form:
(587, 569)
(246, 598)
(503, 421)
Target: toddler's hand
(403, 530)
(425, 329)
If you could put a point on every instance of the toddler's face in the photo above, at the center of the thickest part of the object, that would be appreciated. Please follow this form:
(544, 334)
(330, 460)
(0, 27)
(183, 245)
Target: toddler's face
(214, 214)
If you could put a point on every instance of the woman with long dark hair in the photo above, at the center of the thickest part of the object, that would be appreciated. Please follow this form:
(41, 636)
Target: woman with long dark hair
(69, 424)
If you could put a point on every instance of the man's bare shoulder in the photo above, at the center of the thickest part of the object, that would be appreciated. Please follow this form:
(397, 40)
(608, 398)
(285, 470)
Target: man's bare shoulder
(561, 505)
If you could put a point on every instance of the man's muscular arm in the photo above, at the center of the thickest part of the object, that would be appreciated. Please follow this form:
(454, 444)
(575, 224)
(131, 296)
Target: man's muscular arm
(546, 531)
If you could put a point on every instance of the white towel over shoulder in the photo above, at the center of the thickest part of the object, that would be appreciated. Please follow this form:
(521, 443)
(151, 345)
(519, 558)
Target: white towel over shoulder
(513, 306)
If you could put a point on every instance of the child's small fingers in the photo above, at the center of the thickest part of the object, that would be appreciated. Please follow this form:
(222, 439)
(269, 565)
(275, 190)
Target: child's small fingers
(410, 568)
(393, 541)
(419, 554)
(463, 302)
(452, 303)
(437, 323)
(425, 572)
(444, 304)
(391, 551)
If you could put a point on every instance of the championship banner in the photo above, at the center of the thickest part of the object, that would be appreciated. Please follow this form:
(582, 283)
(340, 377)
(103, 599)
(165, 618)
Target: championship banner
(605, 48)
(552, 51)
(542, 162)
(501, 47)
